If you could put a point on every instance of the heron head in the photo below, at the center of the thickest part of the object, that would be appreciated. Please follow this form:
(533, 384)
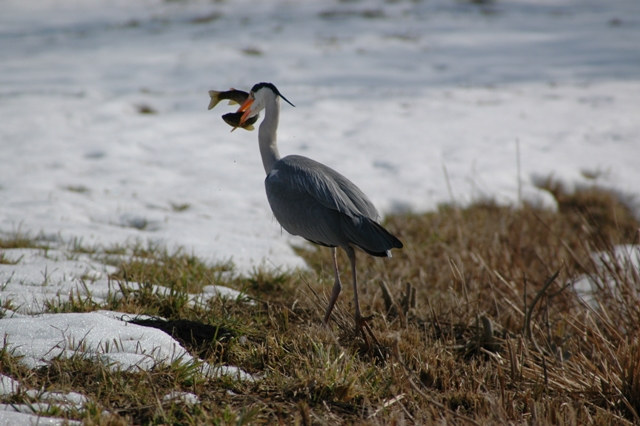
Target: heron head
(258, 98)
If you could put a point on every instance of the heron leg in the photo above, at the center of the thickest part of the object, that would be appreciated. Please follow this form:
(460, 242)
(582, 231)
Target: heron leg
(337, 286)
(361, 322)
(351, 253)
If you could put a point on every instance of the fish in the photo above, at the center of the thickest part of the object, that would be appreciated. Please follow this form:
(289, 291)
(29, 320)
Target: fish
(234, 96)
(233, 120)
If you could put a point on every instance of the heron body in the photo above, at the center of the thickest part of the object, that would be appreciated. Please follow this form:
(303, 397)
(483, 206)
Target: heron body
(314, 201)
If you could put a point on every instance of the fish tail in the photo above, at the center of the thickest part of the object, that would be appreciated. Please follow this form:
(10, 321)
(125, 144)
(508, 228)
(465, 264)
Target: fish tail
(215, 98)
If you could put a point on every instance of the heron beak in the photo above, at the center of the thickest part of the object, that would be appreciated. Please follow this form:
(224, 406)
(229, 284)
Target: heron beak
(245, 108)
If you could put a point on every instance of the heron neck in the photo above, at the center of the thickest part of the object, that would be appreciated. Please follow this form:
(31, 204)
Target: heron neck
(267, 134)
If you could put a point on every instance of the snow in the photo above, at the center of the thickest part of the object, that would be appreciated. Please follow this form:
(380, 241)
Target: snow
(387, 93)
(31, 278)
(16, 414)
(42, 338)
(611, 269)
(419, 103)
(104, 336)
(186, 397)
(15, 417)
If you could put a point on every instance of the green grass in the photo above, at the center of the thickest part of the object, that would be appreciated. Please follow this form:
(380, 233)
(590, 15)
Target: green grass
(19, 240)
(476, 319)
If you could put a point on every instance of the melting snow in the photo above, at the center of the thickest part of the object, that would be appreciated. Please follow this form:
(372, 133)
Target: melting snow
(417, 102)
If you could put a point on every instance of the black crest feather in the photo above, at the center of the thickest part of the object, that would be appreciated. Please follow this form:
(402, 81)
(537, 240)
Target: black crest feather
(271, 87)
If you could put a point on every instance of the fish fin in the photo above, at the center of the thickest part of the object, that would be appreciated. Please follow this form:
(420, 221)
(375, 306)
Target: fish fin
(249, 128)
(232, 102)
(215, 98)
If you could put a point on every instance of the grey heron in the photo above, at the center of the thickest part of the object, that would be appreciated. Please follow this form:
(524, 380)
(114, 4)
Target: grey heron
(314, 201)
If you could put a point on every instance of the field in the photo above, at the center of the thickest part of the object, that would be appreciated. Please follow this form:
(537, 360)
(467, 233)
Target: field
(144, 279)
(489, 315)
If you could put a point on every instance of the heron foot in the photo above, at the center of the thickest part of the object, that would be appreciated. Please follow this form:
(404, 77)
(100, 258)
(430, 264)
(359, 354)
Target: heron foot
(363, 328)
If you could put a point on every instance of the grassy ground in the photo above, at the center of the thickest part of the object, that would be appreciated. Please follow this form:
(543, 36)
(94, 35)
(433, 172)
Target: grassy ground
(476, 318)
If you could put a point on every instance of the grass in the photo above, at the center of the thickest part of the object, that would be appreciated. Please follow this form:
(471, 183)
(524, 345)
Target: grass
(477, 320)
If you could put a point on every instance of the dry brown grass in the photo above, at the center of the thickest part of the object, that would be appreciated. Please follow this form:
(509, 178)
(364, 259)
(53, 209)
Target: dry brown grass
(480, 325)
(497, 332)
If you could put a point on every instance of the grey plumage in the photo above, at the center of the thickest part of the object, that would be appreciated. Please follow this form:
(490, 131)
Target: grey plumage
(314, 201)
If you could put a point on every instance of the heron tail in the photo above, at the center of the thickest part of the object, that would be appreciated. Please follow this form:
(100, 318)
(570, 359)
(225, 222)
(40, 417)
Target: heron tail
(370, 236)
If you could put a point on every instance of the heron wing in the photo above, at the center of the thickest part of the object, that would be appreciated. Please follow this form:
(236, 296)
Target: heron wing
(316, 202)
(325, 185)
